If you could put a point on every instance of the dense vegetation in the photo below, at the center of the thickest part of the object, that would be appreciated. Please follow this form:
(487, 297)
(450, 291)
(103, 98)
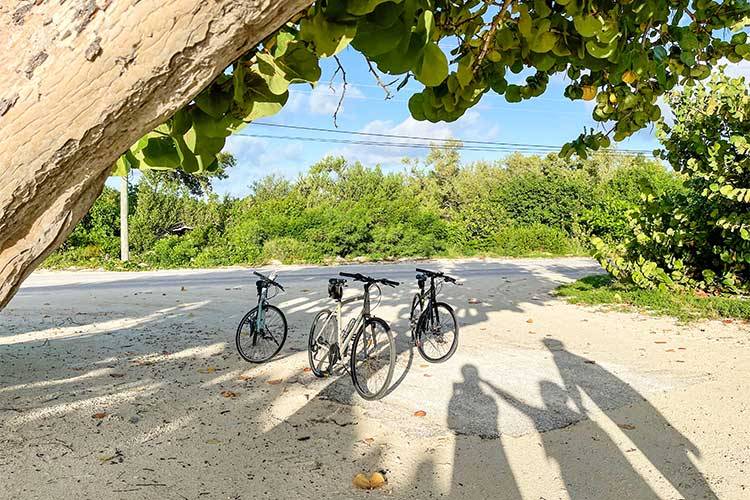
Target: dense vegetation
(517, 206)
(698, 237)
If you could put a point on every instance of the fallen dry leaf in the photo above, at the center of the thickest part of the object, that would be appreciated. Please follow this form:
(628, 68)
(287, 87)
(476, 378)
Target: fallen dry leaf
(229, 394)
(420, 413)
(213, 441)
(427, 375)
(275, 381)
(244, 377)
(660, 341)
(727, 321)
(99, 415)
(307, 369)
(368, 441)
(627, 427)
(669, 350)
(210, 369)
(529, 320)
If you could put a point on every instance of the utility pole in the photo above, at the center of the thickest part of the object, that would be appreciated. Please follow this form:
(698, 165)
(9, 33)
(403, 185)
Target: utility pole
(124, 246)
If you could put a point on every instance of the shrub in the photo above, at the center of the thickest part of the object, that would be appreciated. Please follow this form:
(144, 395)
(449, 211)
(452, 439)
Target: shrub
(516, 241)
(698, 236)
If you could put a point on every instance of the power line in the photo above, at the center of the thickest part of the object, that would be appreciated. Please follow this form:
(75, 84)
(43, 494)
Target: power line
(440, 141)
(497, 149)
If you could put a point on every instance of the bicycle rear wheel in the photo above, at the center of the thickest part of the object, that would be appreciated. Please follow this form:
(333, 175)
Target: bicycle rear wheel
(437, 333)
(373, 359)
(259, 346)
(320, 343)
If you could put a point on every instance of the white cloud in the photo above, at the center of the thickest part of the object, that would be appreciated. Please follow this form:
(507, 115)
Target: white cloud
(409, 131)
(324, 99)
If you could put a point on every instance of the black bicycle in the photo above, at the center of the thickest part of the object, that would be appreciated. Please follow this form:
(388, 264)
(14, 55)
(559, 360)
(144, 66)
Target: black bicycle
(434, 329)
(366, 340)
(262, 331)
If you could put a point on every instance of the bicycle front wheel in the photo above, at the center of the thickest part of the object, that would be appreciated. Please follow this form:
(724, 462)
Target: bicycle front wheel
(373, 359)
(258, 345)
(416, 310)
(437, 333)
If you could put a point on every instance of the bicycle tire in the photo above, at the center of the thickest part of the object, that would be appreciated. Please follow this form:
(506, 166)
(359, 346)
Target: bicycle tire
(416, 311)
(421, 333)
(313, 346)
(361, 341)
(249, 319)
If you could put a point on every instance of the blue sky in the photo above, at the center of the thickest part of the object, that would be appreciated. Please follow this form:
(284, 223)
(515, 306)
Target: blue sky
(550, 119)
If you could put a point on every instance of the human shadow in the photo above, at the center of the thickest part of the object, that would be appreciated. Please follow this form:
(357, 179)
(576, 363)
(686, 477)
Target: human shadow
(477, 467)
(584, 468)
(663, 445)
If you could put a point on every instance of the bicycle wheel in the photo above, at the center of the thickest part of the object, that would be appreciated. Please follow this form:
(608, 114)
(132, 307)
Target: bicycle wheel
(373, 359)
(320, 342)
(416, 310)
(437, 333)
(258, 346)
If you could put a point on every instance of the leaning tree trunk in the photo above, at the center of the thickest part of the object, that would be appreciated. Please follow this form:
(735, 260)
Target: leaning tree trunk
(81, 81)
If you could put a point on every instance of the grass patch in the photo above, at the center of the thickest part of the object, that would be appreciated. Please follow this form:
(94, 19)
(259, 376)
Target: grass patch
(685, 306)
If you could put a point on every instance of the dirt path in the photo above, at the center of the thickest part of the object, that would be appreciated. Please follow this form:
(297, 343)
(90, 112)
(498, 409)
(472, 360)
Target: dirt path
(111, 387)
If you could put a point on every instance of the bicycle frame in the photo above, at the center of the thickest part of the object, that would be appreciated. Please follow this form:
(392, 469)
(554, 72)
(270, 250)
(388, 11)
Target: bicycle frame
(262, 300)
(344, 336)
(430, 295)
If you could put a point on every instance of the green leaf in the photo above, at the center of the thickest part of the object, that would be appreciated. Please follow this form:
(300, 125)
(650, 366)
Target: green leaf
(328, 38)
(161, 152)
(214, 101)
(587, 26)
(543, 42)
(432, 68)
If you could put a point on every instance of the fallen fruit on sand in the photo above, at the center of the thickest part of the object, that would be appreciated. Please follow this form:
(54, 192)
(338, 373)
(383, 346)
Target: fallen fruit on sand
(377, 480)
(361, 482)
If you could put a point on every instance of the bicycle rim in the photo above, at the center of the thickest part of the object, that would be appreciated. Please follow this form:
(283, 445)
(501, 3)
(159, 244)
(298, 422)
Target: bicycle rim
(322, 338)
(373, 359)
(259, 346)
(437, 335)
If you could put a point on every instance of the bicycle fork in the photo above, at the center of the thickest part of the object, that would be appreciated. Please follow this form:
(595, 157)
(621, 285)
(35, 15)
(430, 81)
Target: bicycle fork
(260, 317)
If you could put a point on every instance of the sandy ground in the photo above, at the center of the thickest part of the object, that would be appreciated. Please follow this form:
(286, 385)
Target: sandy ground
(543, 400)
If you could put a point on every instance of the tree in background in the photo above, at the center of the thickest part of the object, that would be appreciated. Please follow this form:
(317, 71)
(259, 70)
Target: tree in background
(699, 236)
(624, 55)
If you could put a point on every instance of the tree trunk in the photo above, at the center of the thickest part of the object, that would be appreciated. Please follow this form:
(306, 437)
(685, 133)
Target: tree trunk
(81, 81)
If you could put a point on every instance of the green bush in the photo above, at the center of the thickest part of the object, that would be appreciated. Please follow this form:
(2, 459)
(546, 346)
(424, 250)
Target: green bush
(697, 236)
(522, 205)
(536, 239)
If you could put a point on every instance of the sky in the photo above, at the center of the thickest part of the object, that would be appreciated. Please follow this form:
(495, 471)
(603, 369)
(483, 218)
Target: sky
(550, 119)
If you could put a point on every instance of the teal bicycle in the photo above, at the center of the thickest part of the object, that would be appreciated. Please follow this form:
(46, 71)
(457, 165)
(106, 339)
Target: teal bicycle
(262, 331)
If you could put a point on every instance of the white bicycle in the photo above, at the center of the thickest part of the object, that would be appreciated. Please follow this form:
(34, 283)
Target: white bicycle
(366, 343)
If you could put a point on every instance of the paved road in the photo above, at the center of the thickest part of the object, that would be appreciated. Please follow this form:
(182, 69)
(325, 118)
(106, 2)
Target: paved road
(294, 275)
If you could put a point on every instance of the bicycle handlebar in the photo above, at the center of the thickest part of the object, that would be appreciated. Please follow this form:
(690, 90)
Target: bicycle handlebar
(368, 279)
(269, 280)
(438, 274)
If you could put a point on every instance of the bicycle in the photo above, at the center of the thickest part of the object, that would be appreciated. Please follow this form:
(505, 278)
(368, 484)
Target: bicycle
(431, 328)
(373, 350)
(262, 331)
